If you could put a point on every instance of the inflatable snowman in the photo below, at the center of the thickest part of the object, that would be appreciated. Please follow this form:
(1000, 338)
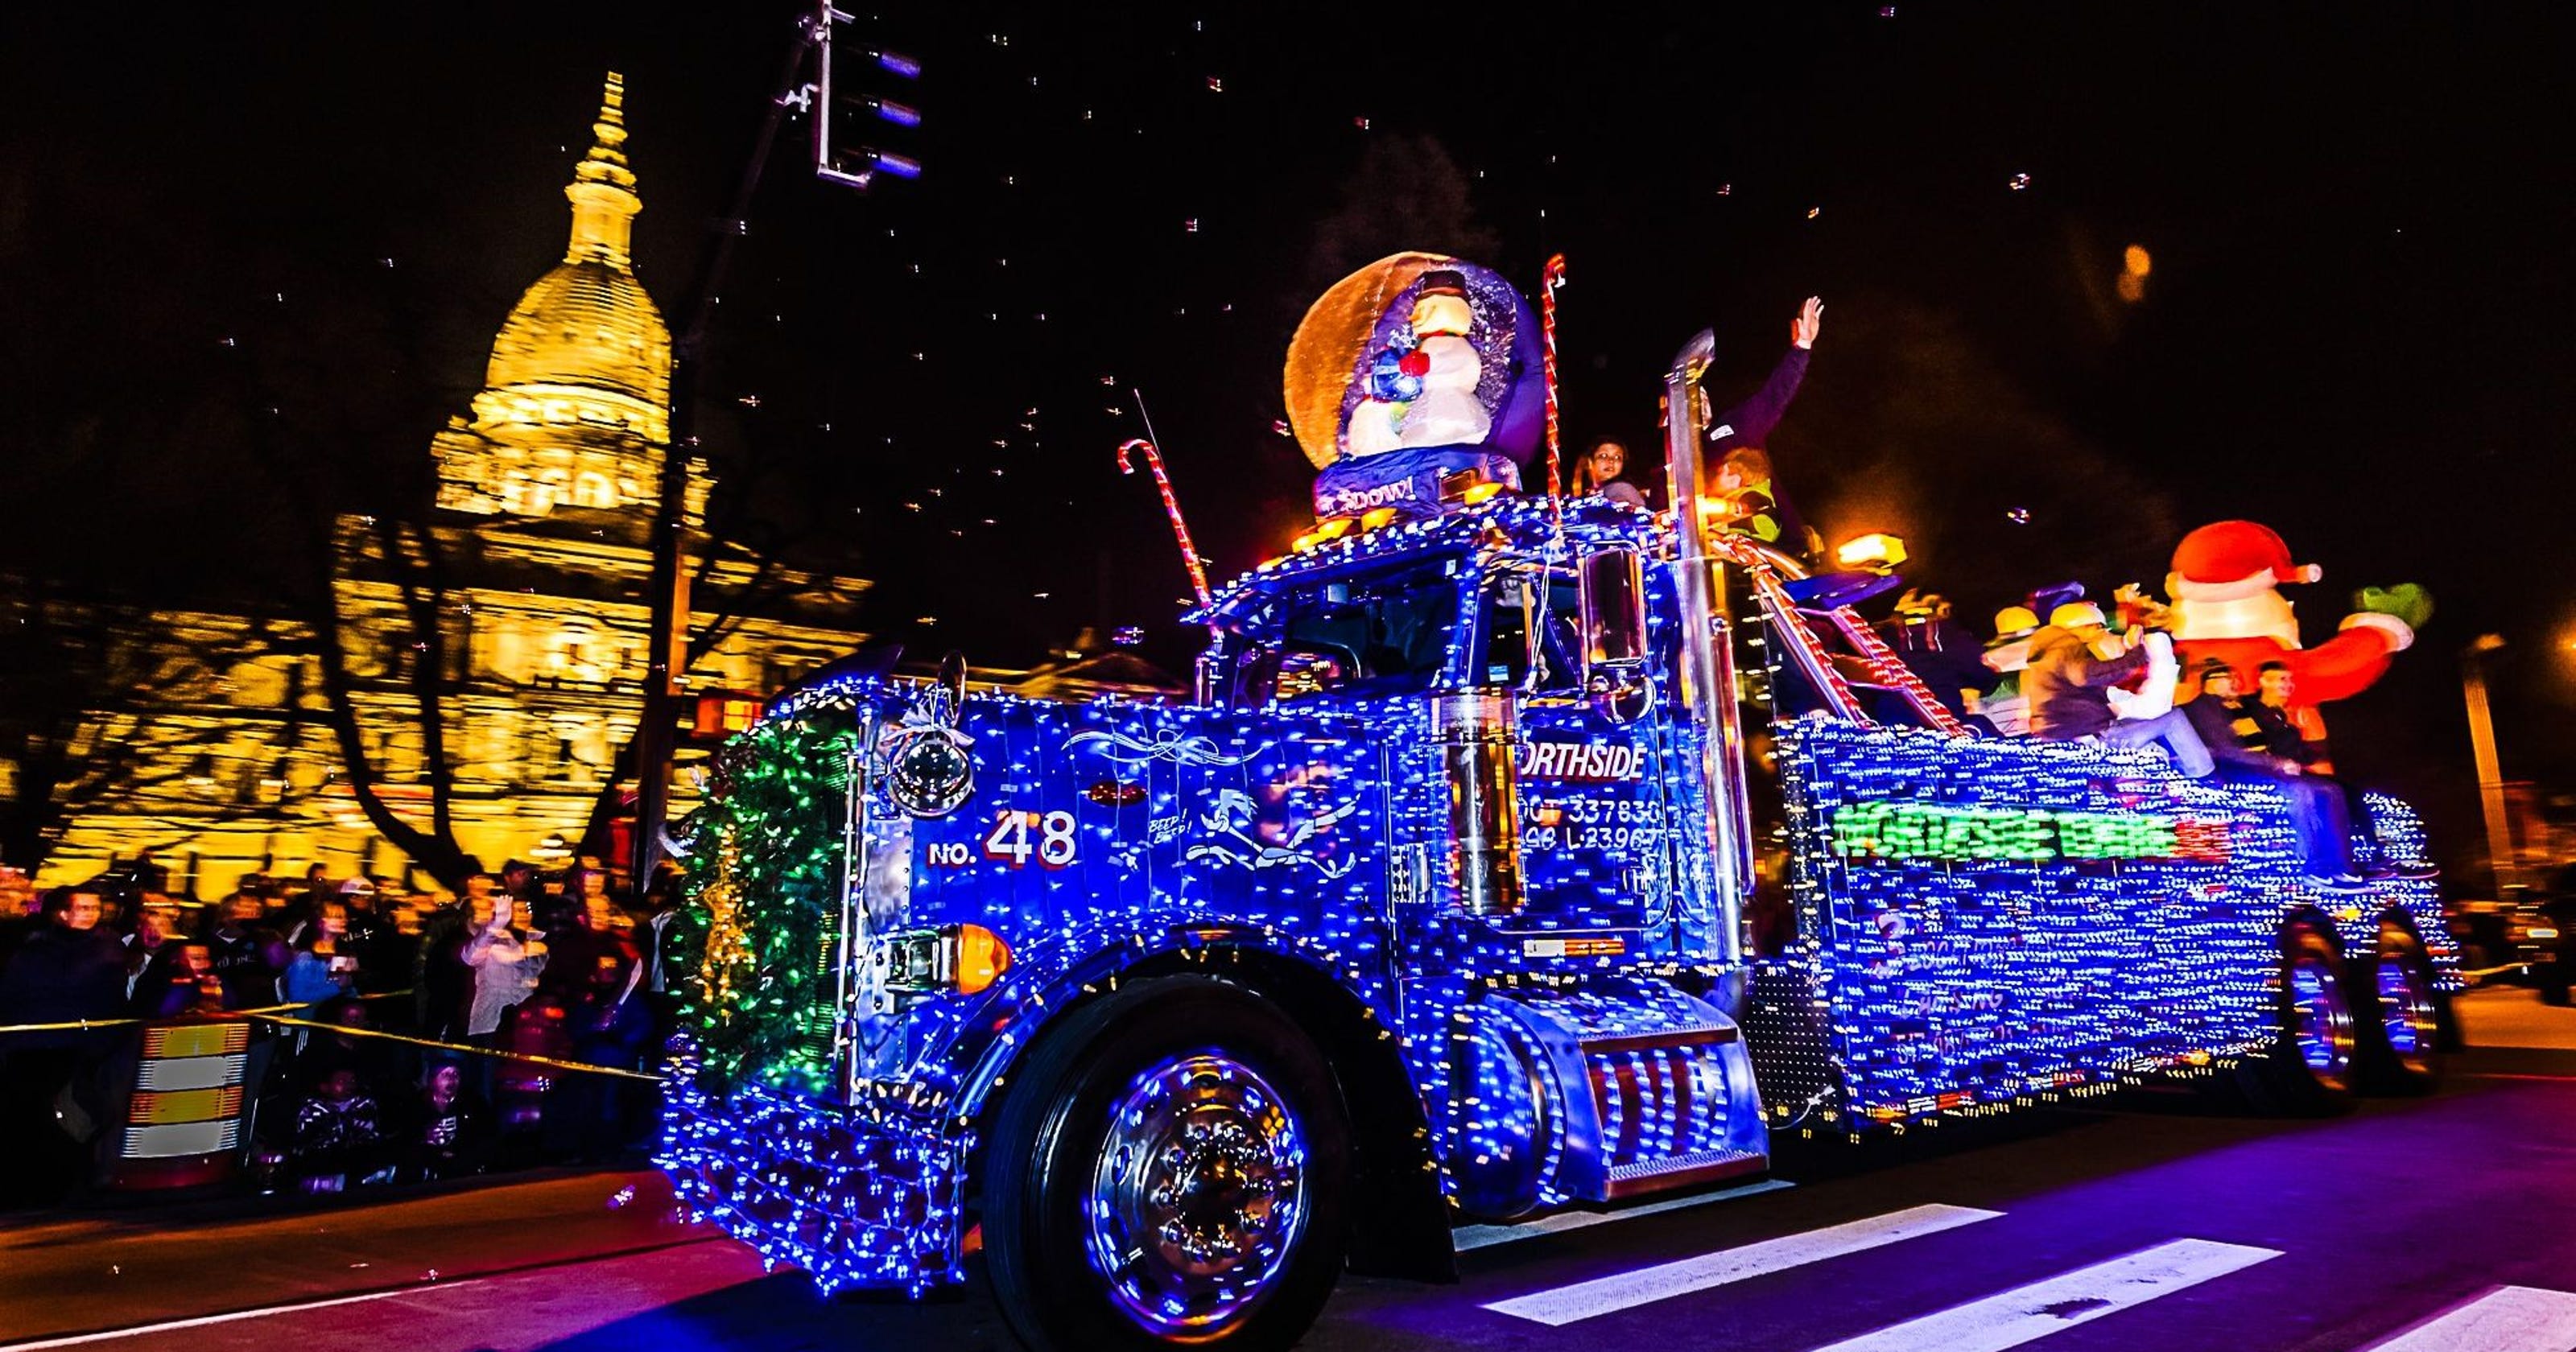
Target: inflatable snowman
(1425, 395)
(1415, 385)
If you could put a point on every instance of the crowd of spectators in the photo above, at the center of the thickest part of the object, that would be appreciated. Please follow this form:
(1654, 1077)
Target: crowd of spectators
(544, 964)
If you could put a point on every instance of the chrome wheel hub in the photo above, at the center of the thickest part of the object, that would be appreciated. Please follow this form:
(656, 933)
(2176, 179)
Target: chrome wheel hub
(1195, 1202)
(2323, 1025)
(2405, 1007)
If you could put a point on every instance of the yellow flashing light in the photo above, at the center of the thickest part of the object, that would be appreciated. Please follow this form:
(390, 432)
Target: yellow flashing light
(981, 959)
(1376, 517)
(1875, 550)
(1483, 492)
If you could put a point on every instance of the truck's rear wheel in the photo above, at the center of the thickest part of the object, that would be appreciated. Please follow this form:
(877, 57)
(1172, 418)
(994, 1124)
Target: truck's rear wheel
(1168, 1168)
(2310, 1068)
(2401, 1035)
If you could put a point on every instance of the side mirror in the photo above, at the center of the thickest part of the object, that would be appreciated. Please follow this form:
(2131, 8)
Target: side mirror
(1614, 611)
(1613, 586)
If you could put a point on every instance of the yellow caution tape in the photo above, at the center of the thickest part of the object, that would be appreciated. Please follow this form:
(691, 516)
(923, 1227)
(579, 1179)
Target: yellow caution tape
(85, 1025)
(272, 1014)
(461, 1047)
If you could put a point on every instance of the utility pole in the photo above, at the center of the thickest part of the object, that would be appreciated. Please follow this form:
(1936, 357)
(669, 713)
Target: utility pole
(856, 167)
(2482, 743)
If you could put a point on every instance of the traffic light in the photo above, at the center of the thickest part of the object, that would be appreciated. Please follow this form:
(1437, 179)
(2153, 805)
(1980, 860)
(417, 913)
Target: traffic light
(848, 154)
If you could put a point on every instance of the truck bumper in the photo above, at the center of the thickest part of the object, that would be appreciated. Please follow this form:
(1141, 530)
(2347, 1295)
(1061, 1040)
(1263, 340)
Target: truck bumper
(859, 1196)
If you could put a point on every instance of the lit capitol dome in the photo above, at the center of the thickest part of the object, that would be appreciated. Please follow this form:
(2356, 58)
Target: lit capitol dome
(575, 408)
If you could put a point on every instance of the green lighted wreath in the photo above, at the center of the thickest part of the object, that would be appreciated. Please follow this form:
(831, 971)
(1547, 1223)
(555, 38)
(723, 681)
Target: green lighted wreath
(762, 910)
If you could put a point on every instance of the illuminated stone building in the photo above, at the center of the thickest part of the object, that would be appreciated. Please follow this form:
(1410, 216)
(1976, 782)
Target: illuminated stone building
(546, 496)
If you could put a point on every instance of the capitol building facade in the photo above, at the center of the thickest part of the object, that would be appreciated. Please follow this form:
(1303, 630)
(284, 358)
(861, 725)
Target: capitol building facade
(546, 494)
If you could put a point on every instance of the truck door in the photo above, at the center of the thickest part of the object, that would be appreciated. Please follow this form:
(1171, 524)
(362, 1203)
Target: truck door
(1595, 805)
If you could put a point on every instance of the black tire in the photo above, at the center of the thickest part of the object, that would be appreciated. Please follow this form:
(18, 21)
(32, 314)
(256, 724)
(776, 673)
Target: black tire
(2400, 1014)
(1058, 1141)
(2311, 1067)
(2446, 1015)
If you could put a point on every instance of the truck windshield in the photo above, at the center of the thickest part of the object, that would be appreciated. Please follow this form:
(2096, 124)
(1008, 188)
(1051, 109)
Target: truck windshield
(1389, 634)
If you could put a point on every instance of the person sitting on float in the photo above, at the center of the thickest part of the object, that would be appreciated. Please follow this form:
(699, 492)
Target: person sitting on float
(1941, 652)
(2230, 726)
(2006, 655)
(1600, 473)
(2277, 727)
(2068, 688)
(1750, 504)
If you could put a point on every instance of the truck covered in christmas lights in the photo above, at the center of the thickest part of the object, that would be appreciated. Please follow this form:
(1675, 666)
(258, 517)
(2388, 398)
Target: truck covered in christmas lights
(1512, 854)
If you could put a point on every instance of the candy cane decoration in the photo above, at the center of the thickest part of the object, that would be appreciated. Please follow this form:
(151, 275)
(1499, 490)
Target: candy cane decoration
(1549, 279)
(1171, 508)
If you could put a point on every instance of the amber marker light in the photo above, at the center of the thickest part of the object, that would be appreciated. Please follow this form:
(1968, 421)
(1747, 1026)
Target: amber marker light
(978, 958)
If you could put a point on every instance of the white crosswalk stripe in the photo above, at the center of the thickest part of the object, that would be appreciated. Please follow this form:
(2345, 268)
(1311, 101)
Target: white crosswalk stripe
(1604, 1295)
(2026, 1313)
(2508, 1319)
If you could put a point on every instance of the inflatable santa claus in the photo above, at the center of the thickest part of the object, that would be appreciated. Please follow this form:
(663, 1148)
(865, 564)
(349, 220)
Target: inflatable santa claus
(2227, 604)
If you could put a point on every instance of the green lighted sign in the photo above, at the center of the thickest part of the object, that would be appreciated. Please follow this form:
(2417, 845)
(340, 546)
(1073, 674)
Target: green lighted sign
(2018, 835)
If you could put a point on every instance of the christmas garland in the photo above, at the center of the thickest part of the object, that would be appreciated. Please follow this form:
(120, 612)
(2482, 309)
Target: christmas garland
(763, 908)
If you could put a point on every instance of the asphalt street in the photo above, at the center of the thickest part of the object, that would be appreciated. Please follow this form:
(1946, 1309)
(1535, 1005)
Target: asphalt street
(2442, 1224)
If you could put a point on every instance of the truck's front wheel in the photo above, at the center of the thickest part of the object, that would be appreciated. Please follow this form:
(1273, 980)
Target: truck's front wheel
(1169, 1167)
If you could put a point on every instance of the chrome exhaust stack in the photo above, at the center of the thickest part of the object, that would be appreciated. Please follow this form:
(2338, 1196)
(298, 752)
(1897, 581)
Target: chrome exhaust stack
(1476, 735)
(1707, 658)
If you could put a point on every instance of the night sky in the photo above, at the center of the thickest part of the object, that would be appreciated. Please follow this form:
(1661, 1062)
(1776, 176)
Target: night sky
(2357, 326)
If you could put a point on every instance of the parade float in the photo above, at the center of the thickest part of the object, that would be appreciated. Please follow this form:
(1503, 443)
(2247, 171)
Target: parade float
(1515, 852)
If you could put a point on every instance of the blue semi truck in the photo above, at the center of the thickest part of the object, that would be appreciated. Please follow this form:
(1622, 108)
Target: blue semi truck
(1509, 856)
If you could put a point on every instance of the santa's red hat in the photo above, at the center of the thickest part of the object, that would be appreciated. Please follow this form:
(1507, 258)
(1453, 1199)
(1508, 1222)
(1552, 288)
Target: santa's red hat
(2227, 560)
